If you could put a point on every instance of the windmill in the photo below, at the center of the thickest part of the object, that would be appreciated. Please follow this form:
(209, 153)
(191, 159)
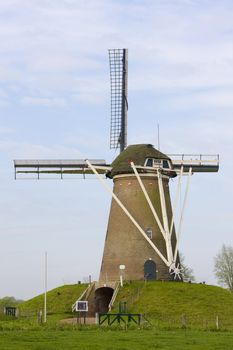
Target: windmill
(141, 240)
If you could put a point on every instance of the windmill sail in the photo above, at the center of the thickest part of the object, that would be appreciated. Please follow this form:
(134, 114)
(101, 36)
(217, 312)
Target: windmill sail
(200, 163)
(39, 167)
(118, 59)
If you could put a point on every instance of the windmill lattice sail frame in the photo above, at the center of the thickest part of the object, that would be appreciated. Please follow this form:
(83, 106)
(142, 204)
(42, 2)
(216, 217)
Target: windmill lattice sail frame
(118, 60)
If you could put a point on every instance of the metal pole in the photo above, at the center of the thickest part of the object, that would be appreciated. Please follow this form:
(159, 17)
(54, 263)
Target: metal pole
(158, 137)
(45, 289)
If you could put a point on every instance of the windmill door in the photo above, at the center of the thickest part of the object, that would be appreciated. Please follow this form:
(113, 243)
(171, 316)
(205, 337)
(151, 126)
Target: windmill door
(150, 270)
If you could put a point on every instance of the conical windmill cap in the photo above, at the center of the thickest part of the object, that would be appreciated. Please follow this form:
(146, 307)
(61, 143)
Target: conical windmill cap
(136, 153)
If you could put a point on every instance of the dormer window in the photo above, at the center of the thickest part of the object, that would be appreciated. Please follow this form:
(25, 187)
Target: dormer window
(149, 162)
(152, 162)
(157, 163)
(166, 164)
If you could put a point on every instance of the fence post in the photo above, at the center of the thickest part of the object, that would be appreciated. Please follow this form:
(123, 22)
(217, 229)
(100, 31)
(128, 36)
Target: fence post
(183, 321)
(217, 322)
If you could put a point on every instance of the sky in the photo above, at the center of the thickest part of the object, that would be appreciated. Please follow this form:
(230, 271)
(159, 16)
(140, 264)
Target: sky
(55, 103)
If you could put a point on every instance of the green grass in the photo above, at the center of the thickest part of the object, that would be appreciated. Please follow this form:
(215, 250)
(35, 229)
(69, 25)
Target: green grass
(174, 303)
(164, 303)
(88, 339)
(59, 300)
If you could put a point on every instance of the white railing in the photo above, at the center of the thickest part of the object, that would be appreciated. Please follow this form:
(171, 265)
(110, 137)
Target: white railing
(86, 292)
(201, 159)
(117, 286)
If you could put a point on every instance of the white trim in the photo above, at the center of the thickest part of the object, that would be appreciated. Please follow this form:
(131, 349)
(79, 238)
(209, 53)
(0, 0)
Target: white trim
(142, 175)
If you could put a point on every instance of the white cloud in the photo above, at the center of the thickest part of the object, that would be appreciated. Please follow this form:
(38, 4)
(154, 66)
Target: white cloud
(204, 99)
(92, 90)
(43, 101)
(6, 130)
(172, 44)
(25, 150)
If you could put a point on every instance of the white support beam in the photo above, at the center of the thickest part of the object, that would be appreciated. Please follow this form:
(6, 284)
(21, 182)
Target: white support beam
(182, 213)
(165, 218)
(108, 189)
(176, 200)
(103, 167)
(148, 200)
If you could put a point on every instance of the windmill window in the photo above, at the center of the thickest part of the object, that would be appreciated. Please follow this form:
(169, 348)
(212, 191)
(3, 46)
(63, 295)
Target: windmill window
(166, 164)
(152, 162)
(149, 233)
(149, 162)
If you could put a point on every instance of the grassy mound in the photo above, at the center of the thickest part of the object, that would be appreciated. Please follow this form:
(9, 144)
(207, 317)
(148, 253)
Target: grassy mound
(59, 300)
(165, 304)
(179, 303)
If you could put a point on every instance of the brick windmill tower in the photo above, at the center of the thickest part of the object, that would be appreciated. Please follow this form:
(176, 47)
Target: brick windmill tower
(141, 240)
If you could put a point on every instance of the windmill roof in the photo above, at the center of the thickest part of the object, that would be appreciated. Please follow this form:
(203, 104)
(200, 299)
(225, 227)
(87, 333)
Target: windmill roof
(137, 154)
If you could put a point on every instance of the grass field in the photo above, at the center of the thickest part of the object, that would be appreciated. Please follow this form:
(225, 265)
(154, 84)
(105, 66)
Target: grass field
(59, 300)
(174, 303)
(166, 305)
(88, 339)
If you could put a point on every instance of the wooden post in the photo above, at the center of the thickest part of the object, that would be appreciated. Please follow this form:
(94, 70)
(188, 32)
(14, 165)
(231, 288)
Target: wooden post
(183, 321)
(217, 323)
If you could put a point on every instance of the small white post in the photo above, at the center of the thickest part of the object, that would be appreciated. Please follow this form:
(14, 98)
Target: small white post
(121, 280)
(122, 269)
(45, 289)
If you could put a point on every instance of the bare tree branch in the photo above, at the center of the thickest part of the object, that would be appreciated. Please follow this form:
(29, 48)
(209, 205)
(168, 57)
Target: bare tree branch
(187, 271)
(223, 267)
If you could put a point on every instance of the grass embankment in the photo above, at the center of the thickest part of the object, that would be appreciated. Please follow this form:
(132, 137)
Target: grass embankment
(59, 300)
(164, 303)
(179, 304)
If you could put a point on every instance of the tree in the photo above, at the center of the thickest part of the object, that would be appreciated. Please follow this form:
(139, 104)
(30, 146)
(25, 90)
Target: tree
(9, 301)
(186, 271)
(223, 267)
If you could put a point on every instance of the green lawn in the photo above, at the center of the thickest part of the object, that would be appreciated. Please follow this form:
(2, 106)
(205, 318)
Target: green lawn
(59, 300)
(105, 339)
(171, 303)
(165, 304)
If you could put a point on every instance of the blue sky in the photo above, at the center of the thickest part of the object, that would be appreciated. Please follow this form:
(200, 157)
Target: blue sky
(55, 103)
